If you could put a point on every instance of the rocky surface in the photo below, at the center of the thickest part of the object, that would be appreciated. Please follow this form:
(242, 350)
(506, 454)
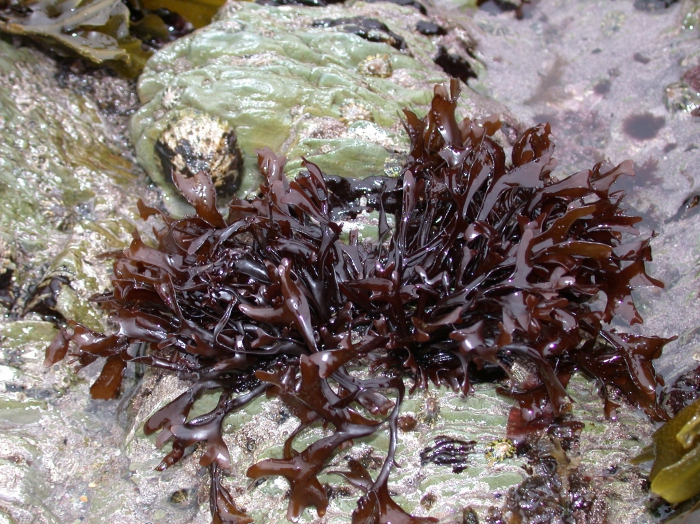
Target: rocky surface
(299, 81)
(67, 187)
(599, 75)
(599, 71)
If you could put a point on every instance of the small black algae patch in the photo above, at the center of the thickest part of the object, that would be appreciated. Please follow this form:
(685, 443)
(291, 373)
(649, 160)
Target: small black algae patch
(454, 65)
(643, 126)
(639, 57)
(430, 28)
(448, 451)
(603, 87)
(653, 6)
(368, 28)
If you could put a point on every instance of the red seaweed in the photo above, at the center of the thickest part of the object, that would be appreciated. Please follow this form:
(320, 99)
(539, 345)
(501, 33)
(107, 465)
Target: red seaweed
(490, 264)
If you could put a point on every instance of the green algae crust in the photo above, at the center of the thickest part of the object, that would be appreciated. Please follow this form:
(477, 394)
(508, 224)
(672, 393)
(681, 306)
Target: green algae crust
(301, 90)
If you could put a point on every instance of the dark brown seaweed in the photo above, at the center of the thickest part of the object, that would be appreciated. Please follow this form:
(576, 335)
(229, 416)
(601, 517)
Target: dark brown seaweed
(491, 263)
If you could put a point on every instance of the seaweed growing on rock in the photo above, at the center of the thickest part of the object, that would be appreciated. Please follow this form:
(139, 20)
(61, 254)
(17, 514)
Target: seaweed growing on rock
(488, 265)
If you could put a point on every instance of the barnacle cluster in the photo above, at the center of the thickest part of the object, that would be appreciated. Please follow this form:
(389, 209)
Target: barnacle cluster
(490, 265)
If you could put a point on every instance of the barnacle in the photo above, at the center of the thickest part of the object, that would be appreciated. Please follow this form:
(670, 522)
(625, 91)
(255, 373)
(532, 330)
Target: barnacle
(376, 65)
(675, 474)
(430, 411)
(499, 450)
(489, 264)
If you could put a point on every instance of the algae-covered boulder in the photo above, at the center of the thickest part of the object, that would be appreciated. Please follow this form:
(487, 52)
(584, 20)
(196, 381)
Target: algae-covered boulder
(65, 185)
(67, 194)
(328, 84)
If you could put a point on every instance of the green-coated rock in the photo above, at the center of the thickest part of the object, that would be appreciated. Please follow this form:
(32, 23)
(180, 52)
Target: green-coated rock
(305, 91)
(68, 193)
(66, 187)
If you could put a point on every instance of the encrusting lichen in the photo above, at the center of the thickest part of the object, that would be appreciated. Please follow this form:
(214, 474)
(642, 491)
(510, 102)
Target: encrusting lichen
(490, 267)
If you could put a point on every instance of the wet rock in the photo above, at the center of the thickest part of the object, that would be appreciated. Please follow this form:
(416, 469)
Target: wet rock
(409, 3)
(65, 183)
(285, 78)
(68, 189)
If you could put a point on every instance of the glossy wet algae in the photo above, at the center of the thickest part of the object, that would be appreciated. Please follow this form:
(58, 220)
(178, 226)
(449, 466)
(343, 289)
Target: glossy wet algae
(138, 257)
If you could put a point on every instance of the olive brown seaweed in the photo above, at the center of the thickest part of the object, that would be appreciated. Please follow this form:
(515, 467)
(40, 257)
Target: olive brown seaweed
(490, 265)
(675, 473)
(120, 34)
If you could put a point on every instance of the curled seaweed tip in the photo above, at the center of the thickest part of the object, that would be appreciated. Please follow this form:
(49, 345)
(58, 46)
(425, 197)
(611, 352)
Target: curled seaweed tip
(490, 265)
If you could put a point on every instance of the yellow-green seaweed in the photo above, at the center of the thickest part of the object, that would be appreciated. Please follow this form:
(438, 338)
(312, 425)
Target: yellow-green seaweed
(675, 474)
(101, 31)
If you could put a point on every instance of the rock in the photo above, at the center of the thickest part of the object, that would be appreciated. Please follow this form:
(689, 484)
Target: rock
(69, 189)
(65, 184)
(298, 81)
